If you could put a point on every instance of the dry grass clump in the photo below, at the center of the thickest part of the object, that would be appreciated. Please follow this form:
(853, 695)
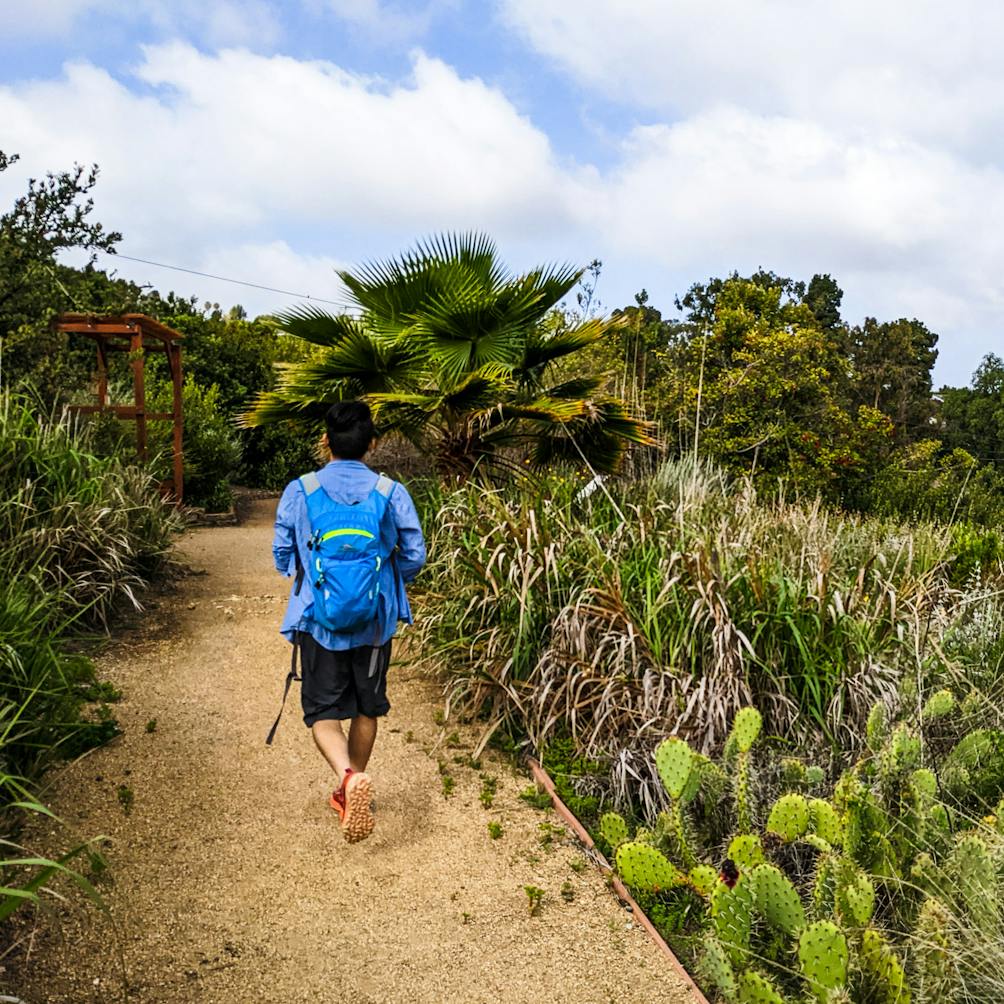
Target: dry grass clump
(667, 606)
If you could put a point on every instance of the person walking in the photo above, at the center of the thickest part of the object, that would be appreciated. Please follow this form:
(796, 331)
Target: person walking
(351, 540)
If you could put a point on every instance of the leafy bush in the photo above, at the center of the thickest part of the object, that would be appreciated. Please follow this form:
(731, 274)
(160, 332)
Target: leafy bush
(78, 535)
(211, 449)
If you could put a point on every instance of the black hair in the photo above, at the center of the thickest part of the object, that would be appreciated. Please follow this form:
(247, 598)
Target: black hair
(350, 429)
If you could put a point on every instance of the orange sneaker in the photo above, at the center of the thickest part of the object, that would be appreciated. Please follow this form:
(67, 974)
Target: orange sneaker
(352, 803)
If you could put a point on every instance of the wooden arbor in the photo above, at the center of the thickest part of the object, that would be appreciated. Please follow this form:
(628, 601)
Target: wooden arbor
(138, 335)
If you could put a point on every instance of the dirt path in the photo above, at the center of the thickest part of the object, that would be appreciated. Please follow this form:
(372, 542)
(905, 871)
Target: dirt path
(231, 881)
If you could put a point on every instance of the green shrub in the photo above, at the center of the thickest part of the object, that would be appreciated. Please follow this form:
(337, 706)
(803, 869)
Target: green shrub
(211, 446)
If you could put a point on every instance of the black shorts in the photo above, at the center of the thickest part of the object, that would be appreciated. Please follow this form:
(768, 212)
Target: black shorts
(340, 685)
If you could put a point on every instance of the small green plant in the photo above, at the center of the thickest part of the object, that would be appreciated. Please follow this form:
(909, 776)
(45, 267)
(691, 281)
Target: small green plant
(101, 691)
(151, 726)
(578, 865)
(409, 736)
(439, 717)
(536, 797)
(534, 897)
(453, 740)
(449, 783)
(567, 891)
(495, 830)
(548, 833)
(126, 798)
(489, 785)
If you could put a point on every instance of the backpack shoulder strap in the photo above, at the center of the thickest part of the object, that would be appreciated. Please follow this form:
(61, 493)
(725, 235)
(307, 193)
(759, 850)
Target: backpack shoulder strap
(385, 486)
(311, 483)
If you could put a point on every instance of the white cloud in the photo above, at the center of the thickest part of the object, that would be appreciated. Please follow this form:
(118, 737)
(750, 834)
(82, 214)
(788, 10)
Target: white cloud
(217, 22)
(922, 68)
(390, 20)
(226, 163)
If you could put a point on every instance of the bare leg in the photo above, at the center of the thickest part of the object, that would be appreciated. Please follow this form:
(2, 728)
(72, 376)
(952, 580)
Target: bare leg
(330, 740)
(362, 735)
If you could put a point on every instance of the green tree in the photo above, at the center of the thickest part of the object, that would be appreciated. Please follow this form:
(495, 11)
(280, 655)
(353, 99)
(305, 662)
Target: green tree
(891, 364)
(52, 216)
(759, 387)
(972, 418)
(452, 352)
(823, 297)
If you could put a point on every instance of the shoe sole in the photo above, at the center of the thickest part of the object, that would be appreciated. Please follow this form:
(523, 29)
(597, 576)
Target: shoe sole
(357, 823)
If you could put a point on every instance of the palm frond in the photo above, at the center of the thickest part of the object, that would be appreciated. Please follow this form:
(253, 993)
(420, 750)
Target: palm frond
(600, 437)
(317, 326)
(542, 349)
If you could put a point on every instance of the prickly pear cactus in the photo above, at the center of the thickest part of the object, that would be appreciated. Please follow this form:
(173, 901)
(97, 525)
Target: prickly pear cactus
(938, 705)
(884, 977)
(715, 967)
(732, 917)
(974, 878)
(823, 956)
(789, 817)
(777, 899)
(925, 784)
(824, 885)
(825, 822)
(814, 775)
(674, 760)
(747, 851)
(703, 878)
(746, 728)
(613, 829)
(932, 971)
(973, 772)
(875, 729)
(792, 773)
(755, 988)
(642, 866)
(855, 895)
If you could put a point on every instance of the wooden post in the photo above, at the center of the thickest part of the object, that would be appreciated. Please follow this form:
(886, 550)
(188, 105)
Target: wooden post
(136, 348)
(174, 352)
(102, 375)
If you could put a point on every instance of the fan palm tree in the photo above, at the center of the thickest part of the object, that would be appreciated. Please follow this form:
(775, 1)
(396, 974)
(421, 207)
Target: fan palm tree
(450, 351)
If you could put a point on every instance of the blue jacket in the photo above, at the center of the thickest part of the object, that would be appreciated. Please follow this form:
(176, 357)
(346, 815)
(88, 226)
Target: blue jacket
(345, 480)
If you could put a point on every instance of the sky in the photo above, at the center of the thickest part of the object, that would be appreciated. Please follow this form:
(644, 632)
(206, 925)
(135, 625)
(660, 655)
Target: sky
(673, 140)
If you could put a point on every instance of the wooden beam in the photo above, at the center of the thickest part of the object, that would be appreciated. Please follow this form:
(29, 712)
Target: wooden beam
(121, 411)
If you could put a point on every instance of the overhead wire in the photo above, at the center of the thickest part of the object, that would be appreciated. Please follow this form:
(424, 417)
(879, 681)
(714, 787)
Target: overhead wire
(223, 278)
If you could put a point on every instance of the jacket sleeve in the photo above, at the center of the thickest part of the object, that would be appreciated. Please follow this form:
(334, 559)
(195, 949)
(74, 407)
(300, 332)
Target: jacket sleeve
(284, 540)
(410, 556)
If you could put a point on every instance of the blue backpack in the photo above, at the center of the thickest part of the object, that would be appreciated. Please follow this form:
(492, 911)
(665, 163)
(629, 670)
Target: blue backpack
(347, 553)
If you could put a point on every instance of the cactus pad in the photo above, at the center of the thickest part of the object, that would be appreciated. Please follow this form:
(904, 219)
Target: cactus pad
(674, 760)
(757, 989)
(777, 899)
(746, 728)
(855, 896)
(643, 867)
(875, 730)
(715, 967)
(814, 775)
(937, 706)
(613, 829)
(789, 817)
(884, 976)
(732, 916)
(925, 783)
(972, 870)
(825, 822)
(703, 879)
(747, 851)
(932, 973)
(822, 952)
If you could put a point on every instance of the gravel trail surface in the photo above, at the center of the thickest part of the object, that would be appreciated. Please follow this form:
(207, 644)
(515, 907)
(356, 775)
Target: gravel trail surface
(231, 882)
